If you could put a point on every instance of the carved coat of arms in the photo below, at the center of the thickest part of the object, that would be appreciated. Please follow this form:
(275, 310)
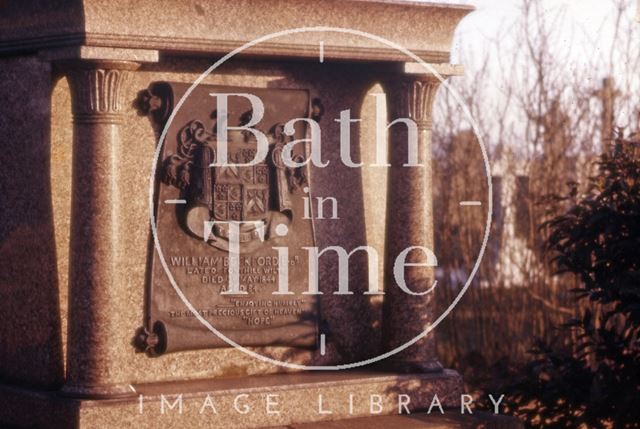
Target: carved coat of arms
(258, 195)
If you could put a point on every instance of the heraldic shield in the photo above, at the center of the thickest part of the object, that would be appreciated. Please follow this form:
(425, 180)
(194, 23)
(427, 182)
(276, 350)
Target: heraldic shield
(241, 193)
(246, 190)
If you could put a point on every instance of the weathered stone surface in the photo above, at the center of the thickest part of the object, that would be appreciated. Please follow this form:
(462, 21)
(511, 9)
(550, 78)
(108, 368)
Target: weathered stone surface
(451, 420)
(99, 217)
(203, 27)
(305, 397)
(409, 220)
(30, 330)
(98, 104)
(348, 318)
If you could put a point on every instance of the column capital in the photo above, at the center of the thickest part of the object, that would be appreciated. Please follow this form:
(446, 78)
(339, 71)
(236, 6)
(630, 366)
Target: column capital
(411, 96)
(97, 89)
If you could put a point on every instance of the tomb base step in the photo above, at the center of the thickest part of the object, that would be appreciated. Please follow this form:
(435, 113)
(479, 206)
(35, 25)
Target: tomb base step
(247, 402)
(450, 420)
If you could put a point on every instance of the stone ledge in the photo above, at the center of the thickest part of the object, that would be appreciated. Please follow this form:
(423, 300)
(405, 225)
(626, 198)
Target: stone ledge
(217, 27)
(449, 420)
(301, 397)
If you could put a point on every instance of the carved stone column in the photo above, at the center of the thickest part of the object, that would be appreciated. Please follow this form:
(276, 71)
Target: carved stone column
(409, 223)
(97, 90)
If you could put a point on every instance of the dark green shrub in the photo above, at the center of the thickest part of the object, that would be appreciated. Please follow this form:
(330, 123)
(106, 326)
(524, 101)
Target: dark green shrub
(595, 383)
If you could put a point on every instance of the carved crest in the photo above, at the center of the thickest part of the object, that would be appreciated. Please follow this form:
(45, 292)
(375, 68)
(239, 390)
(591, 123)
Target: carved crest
(253, 194)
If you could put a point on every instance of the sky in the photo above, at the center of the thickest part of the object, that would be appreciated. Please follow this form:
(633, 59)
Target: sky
(583, 35)
(491, 13)
(587, 26)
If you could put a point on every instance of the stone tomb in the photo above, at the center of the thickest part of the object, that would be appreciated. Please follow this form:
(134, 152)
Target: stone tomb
(93, 332)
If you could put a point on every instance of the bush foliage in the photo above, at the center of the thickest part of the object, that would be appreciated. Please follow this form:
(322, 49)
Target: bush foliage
(596, 382)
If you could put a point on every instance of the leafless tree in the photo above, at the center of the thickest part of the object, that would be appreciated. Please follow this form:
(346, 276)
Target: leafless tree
(544, 113)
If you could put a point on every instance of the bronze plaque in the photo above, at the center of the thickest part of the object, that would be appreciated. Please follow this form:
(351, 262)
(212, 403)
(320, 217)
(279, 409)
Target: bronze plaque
(196, 205)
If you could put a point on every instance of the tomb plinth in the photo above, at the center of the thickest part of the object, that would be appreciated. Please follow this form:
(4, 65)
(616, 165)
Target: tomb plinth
(119, 215)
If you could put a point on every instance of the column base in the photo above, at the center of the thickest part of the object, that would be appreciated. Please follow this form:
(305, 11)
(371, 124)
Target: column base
(98, 392)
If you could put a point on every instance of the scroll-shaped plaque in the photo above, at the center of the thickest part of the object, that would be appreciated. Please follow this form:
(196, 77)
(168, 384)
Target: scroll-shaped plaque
(195, 205)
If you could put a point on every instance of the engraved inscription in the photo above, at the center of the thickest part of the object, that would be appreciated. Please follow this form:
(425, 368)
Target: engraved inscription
(262, 196)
